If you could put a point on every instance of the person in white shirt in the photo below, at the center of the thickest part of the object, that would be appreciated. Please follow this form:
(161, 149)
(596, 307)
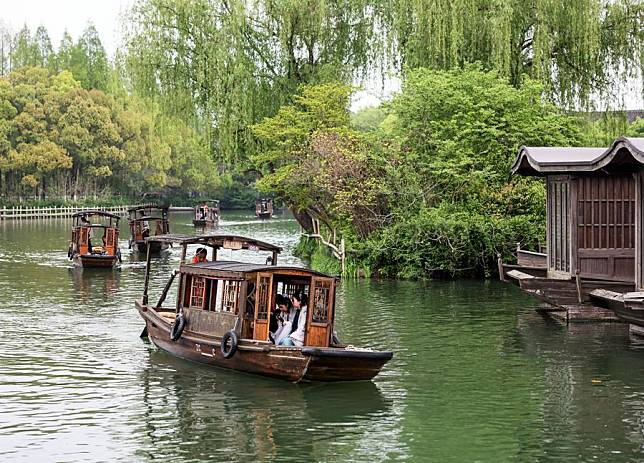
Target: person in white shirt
(298, 325)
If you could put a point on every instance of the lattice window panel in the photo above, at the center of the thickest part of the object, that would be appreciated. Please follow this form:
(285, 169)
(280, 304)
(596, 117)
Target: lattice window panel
(321, 302)
(198, 292)
(262, 297)
(230, 296)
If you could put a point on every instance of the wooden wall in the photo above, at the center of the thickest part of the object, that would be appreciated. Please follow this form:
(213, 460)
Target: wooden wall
(605, 226)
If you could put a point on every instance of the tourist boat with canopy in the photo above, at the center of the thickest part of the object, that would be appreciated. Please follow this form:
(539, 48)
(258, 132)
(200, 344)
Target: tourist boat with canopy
(145, 221)
(264, 208)
(223, 313)
(95, 238)
(207, 214)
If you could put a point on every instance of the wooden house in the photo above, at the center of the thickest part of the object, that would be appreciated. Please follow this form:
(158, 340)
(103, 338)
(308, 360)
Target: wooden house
(595, 221)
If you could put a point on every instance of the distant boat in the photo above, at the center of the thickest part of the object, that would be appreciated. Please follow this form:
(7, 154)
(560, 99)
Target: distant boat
(224, 312)
(207, 214)
(145, 221)
(95, 244)
(264, 208)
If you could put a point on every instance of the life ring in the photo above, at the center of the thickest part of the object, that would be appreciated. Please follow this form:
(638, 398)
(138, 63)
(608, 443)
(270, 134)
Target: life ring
(225, 350)
(177, 327)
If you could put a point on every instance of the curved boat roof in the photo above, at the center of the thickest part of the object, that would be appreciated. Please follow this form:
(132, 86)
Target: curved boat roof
(92, 212)
(552, 160)
(147, 206)
(217, 241)
(244, 267)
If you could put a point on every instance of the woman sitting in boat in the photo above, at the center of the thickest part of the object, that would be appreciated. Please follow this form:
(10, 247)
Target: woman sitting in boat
(284, 318)
(298, 324)
(201, 255)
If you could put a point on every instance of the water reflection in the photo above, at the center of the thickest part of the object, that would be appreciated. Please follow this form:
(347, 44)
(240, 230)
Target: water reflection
(237, 416)
(97, 284)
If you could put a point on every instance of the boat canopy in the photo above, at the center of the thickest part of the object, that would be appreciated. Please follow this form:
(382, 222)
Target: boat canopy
(147, 206)
(238, 269)
(234, 242)
(90, 213)
(147, 217)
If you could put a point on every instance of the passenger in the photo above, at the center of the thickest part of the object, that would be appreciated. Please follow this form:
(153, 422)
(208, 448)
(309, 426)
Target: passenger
(201, 255)
(296, 334)
(277, 320)
(287, 316)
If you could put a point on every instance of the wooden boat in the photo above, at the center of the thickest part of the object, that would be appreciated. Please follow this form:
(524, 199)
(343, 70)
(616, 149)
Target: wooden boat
(207, 214)
(264, 208)
(95, 244)
(223, 312)
(145, 221)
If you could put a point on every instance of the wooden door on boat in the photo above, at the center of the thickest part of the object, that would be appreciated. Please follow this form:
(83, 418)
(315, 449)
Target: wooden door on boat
(263, 305)
(109, 241)
(320, 310)
(83, 247)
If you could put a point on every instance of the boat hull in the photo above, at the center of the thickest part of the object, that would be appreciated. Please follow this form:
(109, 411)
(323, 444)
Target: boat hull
(264, 215)
(203, 223)
(263, 358)
(155, 246)
(95, 261)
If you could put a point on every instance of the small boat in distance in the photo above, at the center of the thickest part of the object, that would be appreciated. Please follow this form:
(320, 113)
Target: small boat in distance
(207, 214)
(224, 312)
(145, 221)
(264, 208)
(95, 244)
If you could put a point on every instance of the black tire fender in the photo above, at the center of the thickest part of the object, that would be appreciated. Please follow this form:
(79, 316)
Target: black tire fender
(70, 252)
(232, 337)
(177, 327)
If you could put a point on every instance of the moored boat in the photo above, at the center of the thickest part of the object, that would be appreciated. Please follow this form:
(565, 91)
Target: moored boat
(264, 208)
(224, 312)
(145, 221)
(86, 249)
(207, 214)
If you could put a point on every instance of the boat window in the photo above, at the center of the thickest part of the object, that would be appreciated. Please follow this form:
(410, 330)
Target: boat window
(227, 294)
(262, 306)
(321, 292)
(197, 293)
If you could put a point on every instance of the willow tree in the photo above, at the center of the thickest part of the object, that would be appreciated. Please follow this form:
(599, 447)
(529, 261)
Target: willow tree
(576, 48)
(226, 64)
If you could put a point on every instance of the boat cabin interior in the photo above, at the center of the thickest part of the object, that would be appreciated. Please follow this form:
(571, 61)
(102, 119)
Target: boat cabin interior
(95, 232)
(216, 296)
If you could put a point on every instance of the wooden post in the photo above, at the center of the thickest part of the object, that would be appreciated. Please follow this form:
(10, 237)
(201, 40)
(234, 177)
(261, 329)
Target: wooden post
(342, 254)
(184, 249)
(499, 261)
(578, 282)
(147, 276)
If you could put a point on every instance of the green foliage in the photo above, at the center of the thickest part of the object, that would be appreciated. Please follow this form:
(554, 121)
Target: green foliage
(444, 241)
(224, 65)
(574, 48)
(59, 139)
(368, 119)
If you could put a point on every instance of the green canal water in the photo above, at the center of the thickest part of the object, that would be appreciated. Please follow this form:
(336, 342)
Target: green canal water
(477, 375)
